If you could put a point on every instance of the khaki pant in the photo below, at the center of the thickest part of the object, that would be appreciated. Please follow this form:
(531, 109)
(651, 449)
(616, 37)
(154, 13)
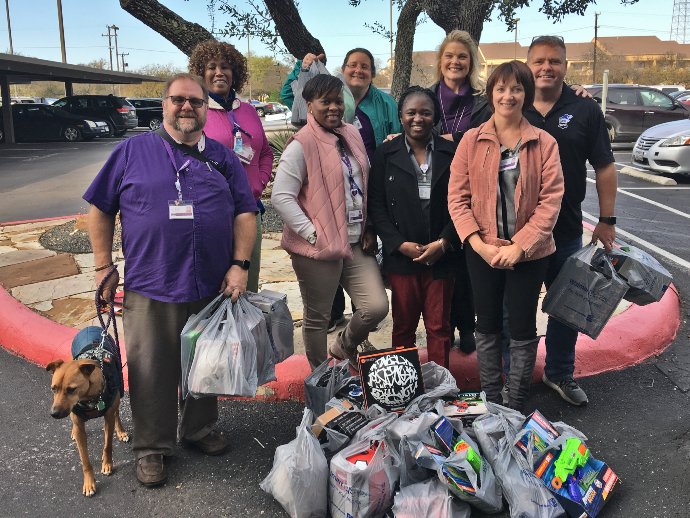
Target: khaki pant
(255, 260)
(318, 280)
(152, 331)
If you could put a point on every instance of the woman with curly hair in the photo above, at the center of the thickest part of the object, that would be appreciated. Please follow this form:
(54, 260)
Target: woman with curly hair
(224, 71)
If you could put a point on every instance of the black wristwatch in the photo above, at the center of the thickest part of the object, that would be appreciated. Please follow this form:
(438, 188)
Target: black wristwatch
(242, 264)
(608, 220)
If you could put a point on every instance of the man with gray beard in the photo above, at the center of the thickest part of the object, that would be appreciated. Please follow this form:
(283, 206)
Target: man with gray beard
(188, 229)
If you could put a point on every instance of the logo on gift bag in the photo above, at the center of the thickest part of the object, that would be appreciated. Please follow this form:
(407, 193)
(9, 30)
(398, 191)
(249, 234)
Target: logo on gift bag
(393, 380)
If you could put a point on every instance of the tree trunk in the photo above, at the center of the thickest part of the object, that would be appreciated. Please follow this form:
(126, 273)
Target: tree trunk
(404, 41)
(467, 15)
(178, 31)
(295, 36)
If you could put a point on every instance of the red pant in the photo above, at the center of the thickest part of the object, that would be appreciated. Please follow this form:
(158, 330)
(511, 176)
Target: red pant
(420, 294)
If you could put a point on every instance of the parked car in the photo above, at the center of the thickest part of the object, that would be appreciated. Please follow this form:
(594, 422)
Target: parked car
(631, 109)
(149, 111)
(669, 89)
(116, 111)
(664, 148)
(33, 122)
(683, 97)
(263, 108)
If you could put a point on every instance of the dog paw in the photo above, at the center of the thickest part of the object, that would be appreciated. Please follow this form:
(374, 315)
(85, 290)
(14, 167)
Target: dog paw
(106, 469)
(89, 488)
(123, 437)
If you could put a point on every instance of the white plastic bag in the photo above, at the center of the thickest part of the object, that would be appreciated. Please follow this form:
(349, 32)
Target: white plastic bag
(299, 477)
(253, 318)
(189, 336)
(429, 499)
(224, 363)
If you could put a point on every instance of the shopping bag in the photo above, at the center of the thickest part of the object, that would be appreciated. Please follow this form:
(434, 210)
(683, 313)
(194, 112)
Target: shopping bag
(320, 386)
(586, 292)
(279, 323)
(189, 336)
(224, 362)
(646, 277)
(299, 477)
(428, 498)
(299, 105)
(254, 319)
(362, 479)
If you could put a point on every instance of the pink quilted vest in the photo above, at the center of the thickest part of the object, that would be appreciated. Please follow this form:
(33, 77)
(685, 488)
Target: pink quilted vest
(322, 197)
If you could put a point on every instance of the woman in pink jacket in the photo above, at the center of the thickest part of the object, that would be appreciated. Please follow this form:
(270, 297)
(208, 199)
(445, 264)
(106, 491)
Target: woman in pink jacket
(224, 70)
(504, 197)
(320, 192)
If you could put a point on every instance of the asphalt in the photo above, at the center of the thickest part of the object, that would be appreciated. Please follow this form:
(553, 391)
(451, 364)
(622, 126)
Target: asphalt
(636, 420)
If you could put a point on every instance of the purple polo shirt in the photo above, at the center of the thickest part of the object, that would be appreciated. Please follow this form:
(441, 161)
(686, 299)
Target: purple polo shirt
(180, 260)
(366, 130)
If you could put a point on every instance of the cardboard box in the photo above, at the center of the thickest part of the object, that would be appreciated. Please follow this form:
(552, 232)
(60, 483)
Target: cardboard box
(391, 378)
(541, 429)
(467, 406)
(595, 485)
(346, 421)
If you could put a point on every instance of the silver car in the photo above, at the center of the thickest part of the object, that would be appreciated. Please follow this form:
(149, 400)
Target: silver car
(664, 148)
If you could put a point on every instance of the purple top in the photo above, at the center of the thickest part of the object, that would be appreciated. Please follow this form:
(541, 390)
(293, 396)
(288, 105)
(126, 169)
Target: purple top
(180, 260)
(366, 130)
(456, 109)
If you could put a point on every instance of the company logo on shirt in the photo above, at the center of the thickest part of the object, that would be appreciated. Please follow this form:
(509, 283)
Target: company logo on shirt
(563, 121)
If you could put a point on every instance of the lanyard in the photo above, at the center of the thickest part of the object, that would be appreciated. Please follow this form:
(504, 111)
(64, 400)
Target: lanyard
(354, 188)
(236, 126)
(178, 186)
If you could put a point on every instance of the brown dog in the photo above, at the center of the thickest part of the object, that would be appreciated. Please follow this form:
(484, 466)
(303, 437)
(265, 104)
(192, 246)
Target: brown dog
(82, 381)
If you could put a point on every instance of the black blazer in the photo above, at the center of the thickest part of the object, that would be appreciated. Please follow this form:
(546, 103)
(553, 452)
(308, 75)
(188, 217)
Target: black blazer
(395, 210)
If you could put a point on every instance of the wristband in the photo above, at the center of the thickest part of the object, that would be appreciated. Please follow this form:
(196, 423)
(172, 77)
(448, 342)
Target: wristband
(608, 220)
(99, 268)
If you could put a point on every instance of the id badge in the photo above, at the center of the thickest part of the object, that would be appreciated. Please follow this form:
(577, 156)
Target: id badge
(355, 216)
(424, 192)
(508, 163)
(356, 123)
(180, 209)
(245, 155)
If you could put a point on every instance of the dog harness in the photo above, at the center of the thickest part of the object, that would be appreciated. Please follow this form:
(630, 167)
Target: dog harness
(112, 380)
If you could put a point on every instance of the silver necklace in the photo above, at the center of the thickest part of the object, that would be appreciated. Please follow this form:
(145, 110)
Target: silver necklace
(457, 122)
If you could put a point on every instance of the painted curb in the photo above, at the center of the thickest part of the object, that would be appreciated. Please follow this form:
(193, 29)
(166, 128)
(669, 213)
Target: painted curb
(628, 339)
(636, 173)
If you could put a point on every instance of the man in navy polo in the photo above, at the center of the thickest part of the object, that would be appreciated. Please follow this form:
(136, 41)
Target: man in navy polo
(578, 126)
(188, 229)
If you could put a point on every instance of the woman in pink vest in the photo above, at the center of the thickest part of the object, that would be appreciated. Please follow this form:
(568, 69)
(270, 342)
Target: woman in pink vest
(224, 70)
(504, 196)
(320, 191)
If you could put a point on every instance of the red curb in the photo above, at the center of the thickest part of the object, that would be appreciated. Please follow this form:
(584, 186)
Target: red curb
(39, 220)
(630, 338)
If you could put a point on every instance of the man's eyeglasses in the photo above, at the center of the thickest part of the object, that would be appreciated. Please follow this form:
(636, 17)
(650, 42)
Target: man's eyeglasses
(547, 38)
(179, 100)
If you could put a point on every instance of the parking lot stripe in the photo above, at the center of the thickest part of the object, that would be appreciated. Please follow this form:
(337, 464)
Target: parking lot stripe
(651, 202)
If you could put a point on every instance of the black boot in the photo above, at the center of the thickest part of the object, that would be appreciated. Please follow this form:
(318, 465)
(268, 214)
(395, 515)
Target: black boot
(489, 359)
(523, 356)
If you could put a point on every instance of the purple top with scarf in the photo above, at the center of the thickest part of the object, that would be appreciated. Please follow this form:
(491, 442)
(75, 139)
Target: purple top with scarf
(181, 260)
(456, 108)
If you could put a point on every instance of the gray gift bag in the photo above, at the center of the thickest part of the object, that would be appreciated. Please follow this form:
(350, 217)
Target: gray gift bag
(320, 386)
(279, 323)
(646, 277)
(586, 292)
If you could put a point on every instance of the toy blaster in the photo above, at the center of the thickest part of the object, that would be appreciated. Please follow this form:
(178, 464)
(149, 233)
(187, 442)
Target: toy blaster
(567, 467)
(472, 456)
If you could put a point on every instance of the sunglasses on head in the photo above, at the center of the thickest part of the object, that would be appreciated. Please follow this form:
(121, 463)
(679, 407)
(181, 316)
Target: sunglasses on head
(179, 100)
(547, 37)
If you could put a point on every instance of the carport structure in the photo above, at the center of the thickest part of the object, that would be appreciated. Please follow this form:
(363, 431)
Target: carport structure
(21, 69)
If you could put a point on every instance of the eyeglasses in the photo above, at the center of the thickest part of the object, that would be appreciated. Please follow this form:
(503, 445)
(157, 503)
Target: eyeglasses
(547, 38)
(363, 66)
(179, 100)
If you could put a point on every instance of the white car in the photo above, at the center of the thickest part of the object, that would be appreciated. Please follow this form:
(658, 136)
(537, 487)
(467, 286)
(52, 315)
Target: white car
(664, 148)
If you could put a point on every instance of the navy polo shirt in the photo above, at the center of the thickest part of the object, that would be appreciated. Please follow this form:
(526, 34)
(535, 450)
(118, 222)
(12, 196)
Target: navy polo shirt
(578, 126)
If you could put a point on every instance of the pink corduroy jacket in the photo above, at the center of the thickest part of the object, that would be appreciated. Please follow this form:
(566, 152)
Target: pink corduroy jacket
(322, 197)
(473, 186)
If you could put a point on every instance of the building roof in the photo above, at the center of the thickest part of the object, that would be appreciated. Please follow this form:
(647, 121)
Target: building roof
(21, 69)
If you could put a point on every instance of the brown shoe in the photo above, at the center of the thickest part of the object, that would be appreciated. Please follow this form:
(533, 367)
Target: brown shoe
(212, 444)
(151, 470)
(339, 352)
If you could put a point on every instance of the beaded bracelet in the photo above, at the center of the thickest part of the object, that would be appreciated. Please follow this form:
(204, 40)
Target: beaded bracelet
(99, 268)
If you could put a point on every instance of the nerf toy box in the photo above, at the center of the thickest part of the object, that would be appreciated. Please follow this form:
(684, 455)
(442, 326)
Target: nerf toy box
(581, 483)
(467, 406)
(391, 378)
(541, 429)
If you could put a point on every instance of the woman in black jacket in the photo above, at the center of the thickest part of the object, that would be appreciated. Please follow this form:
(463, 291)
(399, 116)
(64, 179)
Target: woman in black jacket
(408, 192)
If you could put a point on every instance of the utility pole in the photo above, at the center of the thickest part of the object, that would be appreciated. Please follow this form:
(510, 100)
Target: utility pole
(110, 45)
(115, 29)
(9, 26)
(594, 58)
(124, 65)
(249, 80)
(62, 31)
(516, 20)
(391, 28)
